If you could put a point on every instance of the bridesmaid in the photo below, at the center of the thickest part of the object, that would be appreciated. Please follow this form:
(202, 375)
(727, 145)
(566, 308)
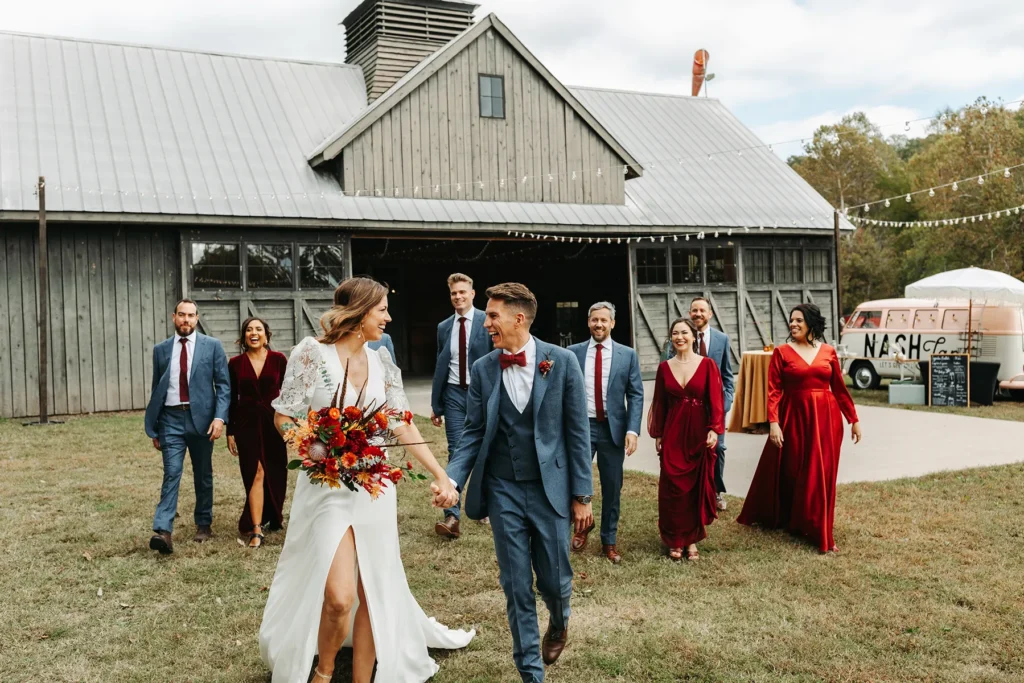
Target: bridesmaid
(794, 487)
(686, 419)
(256, 377)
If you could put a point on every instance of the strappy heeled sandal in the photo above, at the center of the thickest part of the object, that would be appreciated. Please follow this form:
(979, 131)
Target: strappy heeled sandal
(258, 545)
(675, 554)
(320, 675)
(692, 555)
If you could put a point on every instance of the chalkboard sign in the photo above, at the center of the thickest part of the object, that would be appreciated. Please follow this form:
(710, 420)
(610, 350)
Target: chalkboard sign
(949, 380)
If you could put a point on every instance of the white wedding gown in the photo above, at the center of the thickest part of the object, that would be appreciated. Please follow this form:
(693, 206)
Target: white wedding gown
(319, 518)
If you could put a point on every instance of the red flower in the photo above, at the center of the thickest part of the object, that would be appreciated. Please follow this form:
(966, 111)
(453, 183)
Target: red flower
(545, 366)
(331, 466)
(381, 419)
(407, 417)
(348, 460)
(357, 439)
(396, 475)
(408, 464)
(373, 452)
(338, 439)
(353, 414)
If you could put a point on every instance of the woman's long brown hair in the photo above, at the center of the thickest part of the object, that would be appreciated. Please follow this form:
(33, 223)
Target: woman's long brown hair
(353, 299)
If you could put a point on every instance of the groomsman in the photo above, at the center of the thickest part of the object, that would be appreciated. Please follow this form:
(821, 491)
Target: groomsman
(715, 345)
(615, 402)
(187, 410)
(461, 341)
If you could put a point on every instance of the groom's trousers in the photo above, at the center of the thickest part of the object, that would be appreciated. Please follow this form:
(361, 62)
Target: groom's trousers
(178, 433)
(529, 536)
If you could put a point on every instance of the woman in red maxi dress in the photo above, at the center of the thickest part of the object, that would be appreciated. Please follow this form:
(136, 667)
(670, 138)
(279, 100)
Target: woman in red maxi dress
(256, 377)
(794, 487)
(686, 419)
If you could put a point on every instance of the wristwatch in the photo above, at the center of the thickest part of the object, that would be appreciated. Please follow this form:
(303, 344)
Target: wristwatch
(583, 500)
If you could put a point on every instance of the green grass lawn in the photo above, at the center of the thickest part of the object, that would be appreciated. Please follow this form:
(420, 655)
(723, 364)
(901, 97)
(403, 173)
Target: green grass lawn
(927, 587)
(1001, 409)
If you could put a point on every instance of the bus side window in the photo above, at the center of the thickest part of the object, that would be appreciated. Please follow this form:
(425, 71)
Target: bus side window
(926, 319)
(866, 320)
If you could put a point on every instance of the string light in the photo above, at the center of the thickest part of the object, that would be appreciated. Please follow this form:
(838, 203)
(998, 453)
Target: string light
(1015, 210)
(954, 186)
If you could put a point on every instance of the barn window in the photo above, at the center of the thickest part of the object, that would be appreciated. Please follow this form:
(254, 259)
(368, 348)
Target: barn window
(269, 266)
(216, 266)
(787, 266)
(686, 266)
(492, 97)
(651, 266)
(721, 265)
(757, 266)
(818, 265)
(321, 266)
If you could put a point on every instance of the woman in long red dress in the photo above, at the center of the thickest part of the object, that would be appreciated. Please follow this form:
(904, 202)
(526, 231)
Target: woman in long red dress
(794, 487)
(686, 419)
(256, 377)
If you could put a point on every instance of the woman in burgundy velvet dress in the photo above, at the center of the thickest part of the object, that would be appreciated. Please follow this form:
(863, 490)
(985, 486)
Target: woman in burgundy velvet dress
(794, 487)
(686, 419)
(256, 377)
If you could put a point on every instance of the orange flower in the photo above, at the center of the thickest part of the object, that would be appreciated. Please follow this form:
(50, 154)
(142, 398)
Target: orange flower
(348, 460)
(396, 475)
(352, 413)
(312, 416)
(382, 420)
(334, 413)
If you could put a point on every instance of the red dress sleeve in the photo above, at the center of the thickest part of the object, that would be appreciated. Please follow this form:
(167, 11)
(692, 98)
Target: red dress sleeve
(233, 407)
(775, 384)
(839, 389)
(714, 399)
(659, 405)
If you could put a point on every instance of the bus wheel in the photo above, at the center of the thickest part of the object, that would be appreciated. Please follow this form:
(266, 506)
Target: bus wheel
(864, 376)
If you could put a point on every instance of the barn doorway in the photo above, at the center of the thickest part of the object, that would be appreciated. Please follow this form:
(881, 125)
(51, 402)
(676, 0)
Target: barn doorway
(566, 278)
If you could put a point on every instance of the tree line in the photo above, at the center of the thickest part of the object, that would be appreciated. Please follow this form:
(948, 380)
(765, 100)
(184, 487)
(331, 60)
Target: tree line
(851, 163)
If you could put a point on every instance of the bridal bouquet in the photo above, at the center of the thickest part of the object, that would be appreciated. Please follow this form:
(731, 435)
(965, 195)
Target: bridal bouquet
(348, 446)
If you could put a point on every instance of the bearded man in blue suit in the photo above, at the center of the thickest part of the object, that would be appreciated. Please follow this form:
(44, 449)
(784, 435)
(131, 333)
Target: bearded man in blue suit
(525, 452)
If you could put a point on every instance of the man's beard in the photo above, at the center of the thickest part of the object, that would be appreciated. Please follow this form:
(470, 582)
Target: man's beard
(184, 330)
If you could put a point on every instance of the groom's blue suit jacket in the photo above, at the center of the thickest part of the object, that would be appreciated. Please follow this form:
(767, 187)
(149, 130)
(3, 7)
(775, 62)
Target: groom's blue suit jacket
(561, 430)
(209, 386)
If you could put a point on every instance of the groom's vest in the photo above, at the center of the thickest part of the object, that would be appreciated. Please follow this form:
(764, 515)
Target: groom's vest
(513, 451)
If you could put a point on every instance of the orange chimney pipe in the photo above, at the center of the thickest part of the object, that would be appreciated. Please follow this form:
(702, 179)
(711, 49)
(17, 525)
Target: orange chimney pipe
(700, 65)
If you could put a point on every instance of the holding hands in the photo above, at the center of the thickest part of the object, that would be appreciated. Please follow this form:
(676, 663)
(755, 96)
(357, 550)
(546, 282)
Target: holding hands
(444, 493)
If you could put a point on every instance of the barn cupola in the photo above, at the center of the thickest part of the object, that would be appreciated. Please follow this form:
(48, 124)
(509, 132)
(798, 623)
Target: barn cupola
(387, 38)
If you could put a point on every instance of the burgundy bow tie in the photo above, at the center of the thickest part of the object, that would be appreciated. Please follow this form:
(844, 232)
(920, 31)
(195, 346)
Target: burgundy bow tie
(509, 359)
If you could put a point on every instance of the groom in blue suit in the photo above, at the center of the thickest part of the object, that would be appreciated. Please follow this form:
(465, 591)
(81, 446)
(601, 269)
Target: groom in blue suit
(526, 452)
(615, 403)
(187, 410)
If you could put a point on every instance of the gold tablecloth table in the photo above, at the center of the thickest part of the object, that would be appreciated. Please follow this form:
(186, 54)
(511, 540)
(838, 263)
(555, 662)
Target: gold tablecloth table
(750, 405)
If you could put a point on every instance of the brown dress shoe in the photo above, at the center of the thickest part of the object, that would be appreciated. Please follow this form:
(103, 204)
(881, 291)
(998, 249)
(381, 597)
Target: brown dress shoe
(203, 533)
(161, 542)
(449, 528)
(553, 644)
(579, 541)
(611, 553)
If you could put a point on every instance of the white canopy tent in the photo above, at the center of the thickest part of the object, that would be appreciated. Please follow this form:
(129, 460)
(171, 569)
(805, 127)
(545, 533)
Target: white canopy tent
(972, 284)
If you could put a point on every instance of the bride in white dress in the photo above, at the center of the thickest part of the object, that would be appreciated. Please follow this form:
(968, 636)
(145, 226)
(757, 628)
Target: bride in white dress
(340, 579)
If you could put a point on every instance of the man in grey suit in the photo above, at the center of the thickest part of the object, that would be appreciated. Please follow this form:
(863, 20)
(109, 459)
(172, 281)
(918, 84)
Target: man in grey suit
(187, 410)
(526, 452)
(461, 342)
(715, 345)
(615, 403)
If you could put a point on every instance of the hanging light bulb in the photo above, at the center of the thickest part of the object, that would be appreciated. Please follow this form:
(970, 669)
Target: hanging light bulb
(955, 188)
(867, 208)
(906, 127)
(1006, 173)
(887, 203)
(770, 148)
(760, 227)
(908, 198)
(981, 180)
(687, 238)
(931, 192)
(709, 157)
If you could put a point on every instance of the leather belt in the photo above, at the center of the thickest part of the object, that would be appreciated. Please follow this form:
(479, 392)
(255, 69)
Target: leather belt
(180, 406)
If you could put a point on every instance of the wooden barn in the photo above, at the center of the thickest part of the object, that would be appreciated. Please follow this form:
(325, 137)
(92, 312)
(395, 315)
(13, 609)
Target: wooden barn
(254, 185)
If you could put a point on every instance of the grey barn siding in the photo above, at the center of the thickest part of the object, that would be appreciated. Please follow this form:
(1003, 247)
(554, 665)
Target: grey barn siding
(437, 138)
(111, 293)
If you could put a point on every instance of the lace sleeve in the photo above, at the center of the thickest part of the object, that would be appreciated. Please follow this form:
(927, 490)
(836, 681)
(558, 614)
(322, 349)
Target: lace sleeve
(394, 389)
(300, 379)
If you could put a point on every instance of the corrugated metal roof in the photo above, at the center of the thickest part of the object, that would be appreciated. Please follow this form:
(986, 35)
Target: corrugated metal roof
(131, 129)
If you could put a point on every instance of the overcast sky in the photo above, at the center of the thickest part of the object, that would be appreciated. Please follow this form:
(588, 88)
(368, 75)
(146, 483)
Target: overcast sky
(784, 67)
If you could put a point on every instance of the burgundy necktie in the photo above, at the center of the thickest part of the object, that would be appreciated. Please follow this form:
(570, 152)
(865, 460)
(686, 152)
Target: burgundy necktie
(598, 398)
(462, 352)
(703, 348)
(183, 372)
(507, 360)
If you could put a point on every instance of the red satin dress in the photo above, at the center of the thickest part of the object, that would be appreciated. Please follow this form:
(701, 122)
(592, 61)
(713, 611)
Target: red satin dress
(251, 422)
(682, 418)
(794, 487)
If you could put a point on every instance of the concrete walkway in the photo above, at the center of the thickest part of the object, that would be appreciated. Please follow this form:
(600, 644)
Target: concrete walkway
(897, 443)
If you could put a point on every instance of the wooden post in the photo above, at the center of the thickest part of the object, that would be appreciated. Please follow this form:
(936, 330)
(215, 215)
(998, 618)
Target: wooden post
(44, 315)
(839, 280)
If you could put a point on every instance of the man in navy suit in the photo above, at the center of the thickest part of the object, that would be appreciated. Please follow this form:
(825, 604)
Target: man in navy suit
(187, 410)
(615, 403)
(715, 345)
(526, 454)
(461, 341)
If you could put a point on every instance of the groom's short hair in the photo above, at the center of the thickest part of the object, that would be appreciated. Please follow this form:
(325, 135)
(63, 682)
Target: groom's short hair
(516, 296)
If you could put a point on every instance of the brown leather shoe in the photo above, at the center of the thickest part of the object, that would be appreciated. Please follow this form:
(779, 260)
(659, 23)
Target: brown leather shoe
(449, 528)
(553, 644)
(203, 533)
(611, 553)
(161, 542)
(579, 541)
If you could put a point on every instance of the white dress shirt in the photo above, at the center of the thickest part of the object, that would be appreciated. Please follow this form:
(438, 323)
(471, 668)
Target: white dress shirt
(453, 346)
(518, 381)
(173, 398)
(606, 371)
